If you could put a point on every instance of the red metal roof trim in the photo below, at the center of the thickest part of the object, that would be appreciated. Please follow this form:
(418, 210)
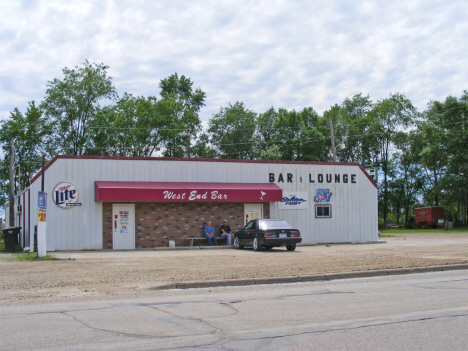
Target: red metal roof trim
(185, 192)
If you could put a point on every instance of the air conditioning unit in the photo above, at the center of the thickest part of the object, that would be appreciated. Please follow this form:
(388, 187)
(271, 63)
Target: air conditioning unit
(372, 173)
(18, 208)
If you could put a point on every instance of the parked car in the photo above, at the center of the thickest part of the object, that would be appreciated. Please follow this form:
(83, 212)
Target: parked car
(267, 233)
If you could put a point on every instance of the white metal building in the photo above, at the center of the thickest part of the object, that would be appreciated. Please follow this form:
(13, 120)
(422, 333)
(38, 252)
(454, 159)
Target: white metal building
(96, 202)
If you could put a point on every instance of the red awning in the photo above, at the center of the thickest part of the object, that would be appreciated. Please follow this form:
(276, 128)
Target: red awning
(186, 192)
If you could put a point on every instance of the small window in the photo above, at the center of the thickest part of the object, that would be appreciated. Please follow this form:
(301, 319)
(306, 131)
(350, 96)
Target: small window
(323, 211)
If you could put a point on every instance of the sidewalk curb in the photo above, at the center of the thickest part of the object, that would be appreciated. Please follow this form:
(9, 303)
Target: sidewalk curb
(306, 278)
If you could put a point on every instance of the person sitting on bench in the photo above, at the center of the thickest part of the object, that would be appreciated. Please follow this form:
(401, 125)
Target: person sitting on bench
(226, 232)
(209, 234)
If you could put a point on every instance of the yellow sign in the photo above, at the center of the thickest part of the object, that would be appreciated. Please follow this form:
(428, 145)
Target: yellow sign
(41, 216)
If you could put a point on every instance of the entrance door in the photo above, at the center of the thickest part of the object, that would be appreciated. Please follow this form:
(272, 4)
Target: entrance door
(252, 211)
(123, 227)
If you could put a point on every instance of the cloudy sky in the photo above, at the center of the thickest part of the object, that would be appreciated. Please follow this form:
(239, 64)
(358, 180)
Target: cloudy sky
(289, 54)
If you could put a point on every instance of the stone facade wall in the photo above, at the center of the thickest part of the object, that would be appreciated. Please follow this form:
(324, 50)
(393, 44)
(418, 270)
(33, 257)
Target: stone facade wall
(157, 223)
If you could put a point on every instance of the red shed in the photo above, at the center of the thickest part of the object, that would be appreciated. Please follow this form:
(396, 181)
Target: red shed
(430, 216)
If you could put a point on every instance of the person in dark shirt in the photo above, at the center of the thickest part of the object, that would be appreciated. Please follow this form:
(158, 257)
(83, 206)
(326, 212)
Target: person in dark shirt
(226, 232)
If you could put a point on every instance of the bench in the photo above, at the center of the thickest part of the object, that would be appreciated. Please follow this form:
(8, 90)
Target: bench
(388, 224)
(394, 226)
(202, 238)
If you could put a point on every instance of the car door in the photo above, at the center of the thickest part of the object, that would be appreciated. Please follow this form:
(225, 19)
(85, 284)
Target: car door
(244, 233)
(252, 230)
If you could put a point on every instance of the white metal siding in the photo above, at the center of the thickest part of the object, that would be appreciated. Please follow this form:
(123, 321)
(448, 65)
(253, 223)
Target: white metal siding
(354, 206)
(21, 219)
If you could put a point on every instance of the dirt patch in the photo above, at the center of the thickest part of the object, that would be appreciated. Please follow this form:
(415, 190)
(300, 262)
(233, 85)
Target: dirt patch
(95, 275)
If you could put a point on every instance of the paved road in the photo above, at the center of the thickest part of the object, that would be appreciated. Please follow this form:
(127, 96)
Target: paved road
(412, 312)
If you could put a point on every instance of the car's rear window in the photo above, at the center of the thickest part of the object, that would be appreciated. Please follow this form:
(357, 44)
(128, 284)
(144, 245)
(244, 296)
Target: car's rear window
(274, 224)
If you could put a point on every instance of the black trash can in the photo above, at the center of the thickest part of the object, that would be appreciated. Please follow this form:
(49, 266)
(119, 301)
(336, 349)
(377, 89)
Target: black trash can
(10, 236)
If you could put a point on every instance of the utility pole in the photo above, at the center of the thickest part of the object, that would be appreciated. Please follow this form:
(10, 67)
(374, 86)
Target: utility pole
(188, 147)
(332, 137)
(42, 173)
(12, 185)
(41, 216)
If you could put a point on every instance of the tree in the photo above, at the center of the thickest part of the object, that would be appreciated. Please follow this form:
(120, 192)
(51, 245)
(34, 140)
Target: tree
(268, 146)
(408, 179)
(73, 102)
(272, 153)
(447, 154)
(434, 159)
(352, 126)
(266, 127)
(298, 135)
(139, 126)
(131, 127)
(288, 133)
(31, 135)
(232, 131)
(203, 149)
(291, 135)
(180, 105)
(362, 144)
(312, 137)
(390, 116)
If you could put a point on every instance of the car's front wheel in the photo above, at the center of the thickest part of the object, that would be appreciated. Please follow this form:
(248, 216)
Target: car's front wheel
(291, 247)
(256, 245)
(236, 243)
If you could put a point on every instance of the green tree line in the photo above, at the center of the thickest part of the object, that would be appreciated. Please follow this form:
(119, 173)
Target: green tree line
(421, 157)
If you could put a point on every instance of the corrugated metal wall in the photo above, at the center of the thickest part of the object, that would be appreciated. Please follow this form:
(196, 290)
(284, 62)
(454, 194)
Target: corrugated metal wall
(354, 205)
(22, 219)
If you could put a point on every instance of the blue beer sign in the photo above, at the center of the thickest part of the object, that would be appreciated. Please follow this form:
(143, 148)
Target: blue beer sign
(42, 199)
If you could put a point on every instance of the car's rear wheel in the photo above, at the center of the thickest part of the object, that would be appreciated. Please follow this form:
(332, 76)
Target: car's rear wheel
(291, 247)
(256, 245)
(236, 243)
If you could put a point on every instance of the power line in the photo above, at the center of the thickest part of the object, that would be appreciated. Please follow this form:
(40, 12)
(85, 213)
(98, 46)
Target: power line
(370, 123)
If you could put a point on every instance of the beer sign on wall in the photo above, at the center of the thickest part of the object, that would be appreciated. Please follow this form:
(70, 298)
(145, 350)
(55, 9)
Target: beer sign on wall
(65, 195)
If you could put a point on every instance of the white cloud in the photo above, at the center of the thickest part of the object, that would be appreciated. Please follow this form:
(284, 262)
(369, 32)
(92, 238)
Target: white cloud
(265, 53)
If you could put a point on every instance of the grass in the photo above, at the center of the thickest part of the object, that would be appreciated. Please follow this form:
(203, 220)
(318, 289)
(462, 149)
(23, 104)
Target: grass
(24, 256)
(387, 236)
(419, 230)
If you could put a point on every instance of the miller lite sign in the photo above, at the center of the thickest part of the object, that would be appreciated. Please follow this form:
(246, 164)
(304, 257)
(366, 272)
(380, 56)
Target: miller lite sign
(65, 195)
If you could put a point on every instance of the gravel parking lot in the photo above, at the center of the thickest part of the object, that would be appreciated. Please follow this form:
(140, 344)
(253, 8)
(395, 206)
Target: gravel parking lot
(97, 274)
